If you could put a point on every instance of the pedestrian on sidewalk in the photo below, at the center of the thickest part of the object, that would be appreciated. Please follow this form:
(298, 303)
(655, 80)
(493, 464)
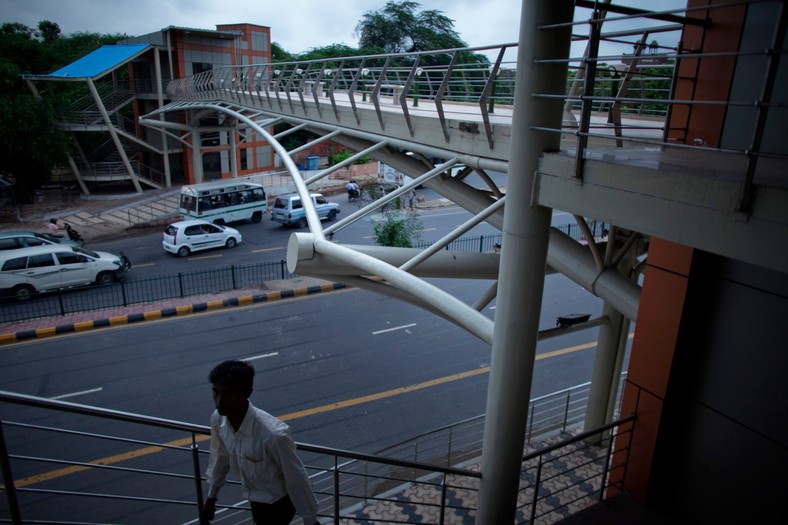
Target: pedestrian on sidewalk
(410, 196)
(258, 448)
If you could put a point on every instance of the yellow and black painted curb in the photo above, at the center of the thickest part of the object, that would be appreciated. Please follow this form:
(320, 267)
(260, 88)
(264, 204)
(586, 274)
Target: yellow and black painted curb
(244, 300)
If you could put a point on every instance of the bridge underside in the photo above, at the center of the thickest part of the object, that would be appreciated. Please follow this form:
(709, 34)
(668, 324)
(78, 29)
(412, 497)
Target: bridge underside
(400, 272)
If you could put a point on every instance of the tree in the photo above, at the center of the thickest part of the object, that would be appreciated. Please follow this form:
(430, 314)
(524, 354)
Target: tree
(278, 53)
(398, 28)
(31, 146)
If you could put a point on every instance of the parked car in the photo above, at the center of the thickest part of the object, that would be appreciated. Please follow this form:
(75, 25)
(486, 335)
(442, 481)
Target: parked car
(12, 240)
(289, 210)
(185, 237)
(45, 268)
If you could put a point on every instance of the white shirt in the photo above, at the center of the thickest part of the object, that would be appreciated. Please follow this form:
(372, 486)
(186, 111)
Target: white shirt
(263, 455)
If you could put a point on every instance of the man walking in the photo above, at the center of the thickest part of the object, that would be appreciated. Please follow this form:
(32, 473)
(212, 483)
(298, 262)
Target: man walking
(258, 448)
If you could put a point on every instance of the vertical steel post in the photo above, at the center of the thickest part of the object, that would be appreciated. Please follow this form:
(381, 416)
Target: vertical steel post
(8, 481)
(336, 491)
(197, 476)
(523, 258)
(443, 500)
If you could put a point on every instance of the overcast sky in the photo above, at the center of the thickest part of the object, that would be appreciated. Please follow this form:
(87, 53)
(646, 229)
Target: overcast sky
(296, 25)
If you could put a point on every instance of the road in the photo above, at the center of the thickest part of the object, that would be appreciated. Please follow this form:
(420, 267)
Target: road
(351, 370)
(267, 241)
(340, 367)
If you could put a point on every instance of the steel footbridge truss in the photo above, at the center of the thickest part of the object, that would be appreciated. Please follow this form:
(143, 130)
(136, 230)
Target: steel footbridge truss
(403, 133)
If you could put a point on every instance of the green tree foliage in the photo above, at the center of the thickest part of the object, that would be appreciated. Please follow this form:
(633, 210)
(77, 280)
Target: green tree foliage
(327, 52)
(398, 229)
(30, 144)
(336, 158)
(278, 54)
(399, 28)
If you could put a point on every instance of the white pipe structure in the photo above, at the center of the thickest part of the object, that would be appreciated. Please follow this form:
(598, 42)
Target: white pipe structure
(113, 134)
(524, 249)
(305, 245)
(564, 255)
(315, 242)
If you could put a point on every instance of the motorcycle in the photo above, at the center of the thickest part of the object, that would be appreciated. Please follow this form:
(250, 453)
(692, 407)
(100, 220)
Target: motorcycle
(353, 194)
(73, 234)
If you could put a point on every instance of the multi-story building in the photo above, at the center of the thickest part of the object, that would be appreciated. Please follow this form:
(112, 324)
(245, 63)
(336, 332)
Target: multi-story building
(129, 79)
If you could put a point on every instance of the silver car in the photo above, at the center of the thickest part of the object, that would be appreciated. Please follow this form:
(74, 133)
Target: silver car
(12, 240)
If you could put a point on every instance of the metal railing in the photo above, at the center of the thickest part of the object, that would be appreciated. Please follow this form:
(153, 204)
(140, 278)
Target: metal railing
(548, 415)
(151, 471)
(211, 281)
(185, 284)
(145, 290)
(634, 64)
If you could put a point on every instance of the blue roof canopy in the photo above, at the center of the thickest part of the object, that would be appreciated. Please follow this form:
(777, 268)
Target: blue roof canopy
(99, 62)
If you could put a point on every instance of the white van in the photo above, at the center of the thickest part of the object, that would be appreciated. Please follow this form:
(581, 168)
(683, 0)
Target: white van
(26, 271)
(289, 210)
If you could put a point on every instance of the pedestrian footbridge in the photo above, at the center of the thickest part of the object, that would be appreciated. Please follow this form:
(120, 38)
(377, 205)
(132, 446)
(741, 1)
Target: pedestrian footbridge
(618, 136)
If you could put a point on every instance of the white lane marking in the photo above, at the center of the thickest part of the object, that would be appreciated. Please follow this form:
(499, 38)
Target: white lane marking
(83, 392)
(143, 265)
(394, 328)
(261, 356)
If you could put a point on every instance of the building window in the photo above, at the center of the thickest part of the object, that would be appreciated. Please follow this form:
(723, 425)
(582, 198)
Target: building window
(199, 67)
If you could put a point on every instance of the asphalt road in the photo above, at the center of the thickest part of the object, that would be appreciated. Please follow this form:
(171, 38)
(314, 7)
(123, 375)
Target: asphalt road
(351, 370)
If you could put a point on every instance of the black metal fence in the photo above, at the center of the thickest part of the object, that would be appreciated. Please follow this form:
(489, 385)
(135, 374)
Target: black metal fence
(135, 291)
(186, 284)
(491, 243)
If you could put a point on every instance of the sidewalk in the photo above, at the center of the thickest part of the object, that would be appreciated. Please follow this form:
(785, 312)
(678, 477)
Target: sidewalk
(96, 319)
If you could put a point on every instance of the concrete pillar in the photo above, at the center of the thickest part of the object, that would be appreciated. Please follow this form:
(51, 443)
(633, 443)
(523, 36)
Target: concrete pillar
(197, 156)
(232, 151)
(602, 377)
(525, 237)
(524, 243)
(610, 350)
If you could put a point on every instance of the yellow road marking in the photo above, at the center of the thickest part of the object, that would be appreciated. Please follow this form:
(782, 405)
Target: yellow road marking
(202, 258)
(39, 478)
(267, 250)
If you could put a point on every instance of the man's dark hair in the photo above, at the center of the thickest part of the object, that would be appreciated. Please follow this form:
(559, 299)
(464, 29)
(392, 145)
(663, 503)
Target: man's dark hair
(234, 372)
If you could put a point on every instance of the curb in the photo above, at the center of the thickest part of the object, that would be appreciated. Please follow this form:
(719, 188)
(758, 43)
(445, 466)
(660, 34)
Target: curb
(119, 320)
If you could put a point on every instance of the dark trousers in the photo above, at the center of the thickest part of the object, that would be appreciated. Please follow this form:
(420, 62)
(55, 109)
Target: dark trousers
(277, 513)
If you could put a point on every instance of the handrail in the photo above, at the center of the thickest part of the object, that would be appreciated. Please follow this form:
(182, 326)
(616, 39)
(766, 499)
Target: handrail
(13, 488)
(382, 480)
(107, 413)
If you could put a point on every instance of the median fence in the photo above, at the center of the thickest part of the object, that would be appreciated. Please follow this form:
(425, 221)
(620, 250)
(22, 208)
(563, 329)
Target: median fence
(185, 284)
(134, 291)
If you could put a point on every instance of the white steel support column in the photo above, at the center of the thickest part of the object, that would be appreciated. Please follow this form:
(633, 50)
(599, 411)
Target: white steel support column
(114, 135)
(524, 243)
(610, 350)
(602, 378)
(160, 99)
(197, 156)
(231, 151)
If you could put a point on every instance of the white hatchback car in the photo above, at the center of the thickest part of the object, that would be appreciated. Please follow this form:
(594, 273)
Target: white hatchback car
(185, 237)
